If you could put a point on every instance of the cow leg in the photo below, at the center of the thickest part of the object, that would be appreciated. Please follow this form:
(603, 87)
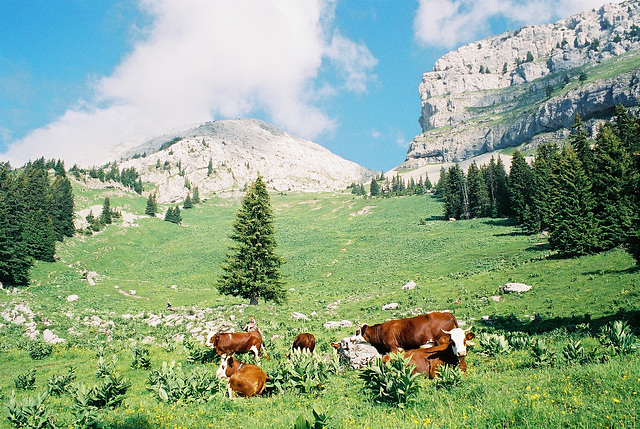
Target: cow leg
(428, 344)
(256, 353)
(230, 391)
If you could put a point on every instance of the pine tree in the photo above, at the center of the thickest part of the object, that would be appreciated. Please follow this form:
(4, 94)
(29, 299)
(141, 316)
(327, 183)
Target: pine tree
(152, 206)
(581, 144)
(63, 208)
(252, 268)
(168, 216)
(496, 179)
(455, 194)
(520, 184)
(196, 195)
(188, 204)
(36, 214)
(374, 189)
(574, 229)
(440, 186)
(612, 171)
(15, 261)
(106, 217)
(478, 195)
(537, 218)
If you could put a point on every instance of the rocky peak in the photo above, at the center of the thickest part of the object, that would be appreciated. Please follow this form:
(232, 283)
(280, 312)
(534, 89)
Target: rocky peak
(224, 156)
(473, 96)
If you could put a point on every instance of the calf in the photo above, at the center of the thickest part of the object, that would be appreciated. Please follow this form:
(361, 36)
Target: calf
(304, 341)
(244, 378)
(427, 361)
(237, 342)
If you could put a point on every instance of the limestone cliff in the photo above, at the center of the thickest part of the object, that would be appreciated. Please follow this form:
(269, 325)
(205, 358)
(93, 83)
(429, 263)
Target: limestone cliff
(523, 86)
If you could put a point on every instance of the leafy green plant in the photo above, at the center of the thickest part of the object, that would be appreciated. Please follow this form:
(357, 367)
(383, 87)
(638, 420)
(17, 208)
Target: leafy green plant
(106, 368)
(141, 358)
(448, 376)
(30, 412)
(26, 380)
(320, 420)
(618, 337)
(57, 384)
(542, 355)
(574, 352)
(170, 384)
(519, 342)
(39, 350)
(85, 413)
(108, 393)
(392, 382)
(493, 344)
(198, 353)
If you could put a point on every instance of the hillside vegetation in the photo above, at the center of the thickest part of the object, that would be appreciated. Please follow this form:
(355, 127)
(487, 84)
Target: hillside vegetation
(345, 258)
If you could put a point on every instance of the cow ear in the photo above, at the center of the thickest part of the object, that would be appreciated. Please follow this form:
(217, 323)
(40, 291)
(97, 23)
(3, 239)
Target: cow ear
(470, 336)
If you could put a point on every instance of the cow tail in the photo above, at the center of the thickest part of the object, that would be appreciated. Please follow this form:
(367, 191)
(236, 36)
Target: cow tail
(264, 352)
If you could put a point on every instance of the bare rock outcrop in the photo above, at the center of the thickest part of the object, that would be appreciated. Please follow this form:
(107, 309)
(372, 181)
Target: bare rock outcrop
(528, 84)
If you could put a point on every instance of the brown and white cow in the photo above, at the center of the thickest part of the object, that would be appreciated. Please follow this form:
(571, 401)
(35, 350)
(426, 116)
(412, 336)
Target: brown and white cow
(427, 361)
(237, 342)
(304, 341)
(244, 378)
(410, 333)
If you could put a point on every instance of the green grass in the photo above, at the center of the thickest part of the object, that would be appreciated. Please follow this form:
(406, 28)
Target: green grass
(355, 253)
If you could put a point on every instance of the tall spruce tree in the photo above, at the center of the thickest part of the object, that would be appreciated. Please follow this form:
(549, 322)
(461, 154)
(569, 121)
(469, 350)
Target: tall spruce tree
(36, 213)
(152, 206)
(537, 218)
(478, 196)
(455, 194)
(574, 229)
(63, 207)
(375, 188)
(106, 217)
(251, 269)
(520, 185)
(15, 261)
(612, 171)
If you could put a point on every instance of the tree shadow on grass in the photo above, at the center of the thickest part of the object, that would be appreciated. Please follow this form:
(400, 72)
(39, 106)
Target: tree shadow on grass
(541, 325)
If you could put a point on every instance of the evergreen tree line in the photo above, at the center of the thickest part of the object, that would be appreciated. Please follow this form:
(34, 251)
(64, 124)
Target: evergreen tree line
(107, 216)
(36, 210)
(129, 177)
(586, 193)
(173, 213)
(396, 186)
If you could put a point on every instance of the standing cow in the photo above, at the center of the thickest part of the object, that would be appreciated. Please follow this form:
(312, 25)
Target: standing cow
(410, 333)
(304, 341)
(237, 342)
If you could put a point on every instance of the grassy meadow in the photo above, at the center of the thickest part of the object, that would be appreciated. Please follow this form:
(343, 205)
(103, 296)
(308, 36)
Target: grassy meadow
(345, 257)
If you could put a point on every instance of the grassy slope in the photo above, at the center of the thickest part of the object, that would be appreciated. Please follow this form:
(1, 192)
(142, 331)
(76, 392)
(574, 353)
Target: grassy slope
(333, 253)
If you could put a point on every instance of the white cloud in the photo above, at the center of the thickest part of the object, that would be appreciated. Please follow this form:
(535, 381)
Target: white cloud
(449, 23)
(206, 59)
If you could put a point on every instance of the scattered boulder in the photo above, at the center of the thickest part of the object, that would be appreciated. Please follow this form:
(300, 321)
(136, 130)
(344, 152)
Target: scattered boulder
(72, 298)
(515, 288)
(51, 338)
(356, 353)
(299, 316)
(390, 306)
(340, 324)
(409, 286)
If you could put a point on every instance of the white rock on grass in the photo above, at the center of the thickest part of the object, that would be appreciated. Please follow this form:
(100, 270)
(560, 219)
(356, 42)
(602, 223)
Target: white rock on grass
(299, 316)
(515, 288)
(340, 324)
(390, 306)
(410, 285)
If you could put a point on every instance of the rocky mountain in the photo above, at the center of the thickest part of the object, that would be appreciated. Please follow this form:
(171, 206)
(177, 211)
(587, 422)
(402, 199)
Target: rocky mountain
(526, 86)
(223, 156)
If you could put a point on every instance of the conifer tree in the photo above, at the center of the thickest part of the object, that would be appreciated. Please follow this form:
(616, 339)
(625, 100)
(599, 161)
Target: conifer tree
(520, 184)
(612, 171)
(455, 194)
(251, 269)
(63, 208)
(374, 189)
(478, 195)
(168, 216)
(574, 229)
(106, 217)
(581, 144)
(188, 204)
(196, 195)
(15, 261)
(152, 206)
(36, 214)
(537, 218)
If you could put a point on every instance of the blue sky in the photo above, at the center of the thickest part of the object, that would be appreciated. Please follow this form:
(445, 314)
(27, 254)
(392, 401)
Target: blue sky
(79, 77)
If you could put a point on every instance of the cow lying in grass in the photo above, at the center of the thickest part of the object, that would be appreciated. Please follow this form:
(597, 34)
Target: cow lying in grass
(244, 378)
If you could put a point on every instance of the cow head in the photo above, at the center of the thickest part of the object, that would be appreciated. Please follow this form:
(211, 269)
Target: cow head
(459, 338)
(359, 337)
(212, 340)
(226, 366)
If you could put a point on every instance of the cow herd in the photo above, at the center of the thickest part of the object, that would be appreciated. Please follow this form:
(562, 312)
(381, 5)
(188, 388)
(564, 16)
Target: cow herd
(428, 340)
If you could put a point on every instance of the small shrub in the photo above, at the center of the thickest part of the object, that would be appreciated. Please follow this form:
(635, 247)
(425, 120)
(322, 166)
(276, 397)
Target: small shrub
(170, 384)
(26, 380)
(519, 342)
(541, 354)
(57, 384)
(574, 352)
(30, 412)
(85, 414)
(105, 368)
(320, 421)
(141, 358)
(198, 353)
(493, 344)
(617, 336)
(448, 376)
(39, 350)
(392, 382)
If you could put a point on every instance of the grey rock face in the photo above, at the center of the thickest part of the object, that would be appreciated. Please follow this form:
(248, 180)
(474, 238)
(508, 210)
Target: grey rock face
(512, 88)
